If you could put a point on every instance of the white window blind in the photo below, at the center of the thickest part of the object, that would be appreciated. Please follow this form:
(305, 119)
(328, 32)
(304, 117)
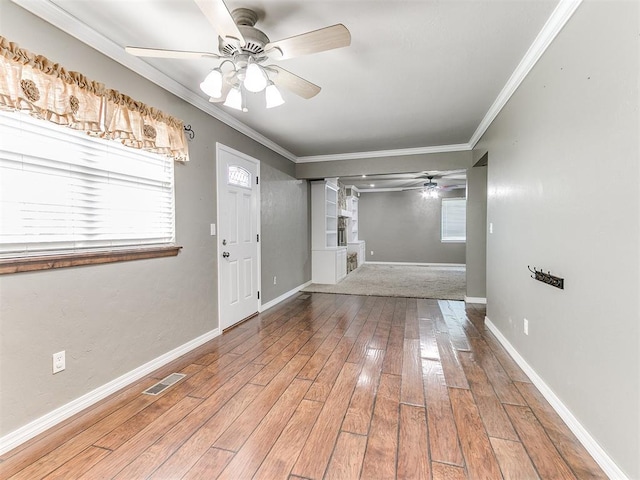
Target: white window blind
(454, 220)
(64, 191)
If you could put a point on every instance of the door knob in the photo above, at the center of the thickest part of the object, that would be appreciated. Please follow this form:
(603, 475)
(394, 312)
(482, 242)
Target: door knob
(225, 254)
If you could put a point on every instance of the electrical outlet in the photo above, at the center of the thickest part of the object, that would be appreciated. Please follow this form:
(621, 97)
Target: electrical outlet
(275, 280)
(526, 326)
(371, 252)
(58, 362)
(213, 229)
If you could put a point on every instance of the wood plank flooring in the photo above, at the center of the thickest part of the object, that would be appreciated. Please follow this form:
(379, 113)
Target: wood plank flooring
(324, 387)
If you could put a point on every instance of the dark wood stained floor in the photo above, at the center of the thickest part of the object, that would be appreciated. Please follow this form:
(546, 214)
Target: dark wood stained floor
(325, 387)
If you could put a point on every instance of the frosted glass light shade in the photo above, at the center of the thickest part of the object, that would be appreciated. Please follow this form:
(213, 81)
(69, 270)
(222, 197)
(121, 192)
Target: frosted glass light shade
(234, 99)
(212, 84)
(273, 97)
(255, 80)
(430, 193)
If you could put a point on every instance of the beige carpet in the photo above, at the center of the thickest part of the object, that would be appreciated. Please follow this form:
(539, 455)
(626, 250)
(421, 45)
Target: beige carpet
(445, 283)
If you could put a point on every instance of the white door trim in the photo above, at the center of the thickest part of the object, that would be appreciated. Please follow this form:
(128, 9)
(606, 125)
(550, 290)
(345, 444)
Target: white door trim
(221, 147)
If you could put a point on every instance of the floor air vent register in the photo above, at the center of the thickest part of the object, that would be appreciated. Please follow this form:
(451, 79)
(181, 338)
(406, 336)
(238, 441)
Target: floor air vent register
(165, 383)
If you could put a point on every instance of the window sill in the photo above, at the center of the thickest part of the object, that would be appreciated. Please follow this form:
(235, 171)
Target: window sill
(30, 264)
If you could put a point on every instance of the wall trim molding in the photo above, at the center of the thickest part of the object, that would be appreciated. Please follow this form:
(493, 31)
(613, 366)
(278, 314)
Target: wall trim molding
(559, 17)
(480, 300)
(403, 189)
(56, 16)
(461, 147)
(418, 264)
(283, 297)
(597, 452)
(49, 420)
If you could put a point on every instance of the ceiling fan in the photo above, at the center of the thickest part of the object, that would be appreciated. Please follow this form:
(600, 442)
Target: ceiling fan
(244, 51)
(430, 189)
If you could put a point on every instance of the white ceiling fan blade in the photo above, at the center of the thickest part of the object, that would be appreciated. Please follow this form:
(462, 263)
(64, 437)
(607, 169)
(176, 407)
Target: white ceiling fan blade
(327, 38)
(219, 16)
(447, 188)
(298, 85)
(162, 53)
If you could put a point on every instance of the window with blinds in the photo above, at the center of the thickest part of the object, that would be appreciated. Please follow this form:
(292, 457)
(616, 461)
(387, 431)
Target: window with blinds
(62, 191)
(454, 220)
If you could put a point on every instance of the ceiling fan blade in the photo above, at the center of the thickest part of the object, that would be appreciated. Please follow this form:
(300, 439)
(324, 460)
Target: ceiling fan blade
(162, 53)
(327, 38)
(219, 16)
(447, 188)
(443, 173)
(298, 85)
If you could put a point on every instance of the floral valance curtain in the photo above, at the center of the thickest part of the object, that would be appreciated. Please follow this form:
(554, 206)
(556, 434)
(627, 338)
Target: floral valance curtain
(33, 82)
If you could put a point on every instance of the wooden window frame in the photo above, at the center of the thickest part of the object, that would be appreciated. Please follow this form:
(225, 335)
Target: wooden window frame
(64, 260)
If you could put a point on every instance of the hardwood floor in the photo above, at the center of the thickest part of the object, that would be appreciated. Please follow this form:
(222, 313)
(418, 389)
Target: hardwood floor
(324, 387)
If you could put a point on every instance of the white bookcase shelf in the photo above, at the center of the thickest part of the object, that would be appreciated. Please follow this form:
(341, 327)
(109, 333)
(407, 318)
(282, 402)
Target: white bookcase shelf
(328, 260)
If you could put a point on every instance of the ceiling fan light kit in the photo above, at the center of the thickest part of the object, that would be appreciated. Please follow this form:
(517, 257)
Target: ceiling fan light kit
(273, 96)
(234, 99)
(255, 79)
(430, 192)
(212, 84)
(247, 49)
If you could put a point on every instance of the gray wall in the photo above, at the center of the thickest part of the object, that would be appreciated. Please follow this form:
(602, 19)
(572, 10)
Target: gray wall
(113, 318)
(404, 227)
(563, 195)
(476, 246)
(286, 235)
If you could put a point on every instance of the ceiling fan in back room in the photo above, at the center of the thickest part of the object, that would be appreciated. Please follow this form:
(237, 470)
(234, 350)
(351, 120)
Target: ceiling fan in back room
(245, 50)
(431, 189)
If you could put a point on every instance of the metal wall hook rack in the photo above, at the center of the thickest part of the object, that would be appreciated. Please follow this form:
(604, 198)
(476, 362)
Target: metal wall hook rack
(547, 278)
(189, 131)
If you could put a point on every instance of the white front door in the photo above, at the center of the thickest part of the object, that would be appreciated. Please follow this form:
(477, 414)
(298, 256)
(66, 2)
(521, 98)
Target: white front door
(238, 235)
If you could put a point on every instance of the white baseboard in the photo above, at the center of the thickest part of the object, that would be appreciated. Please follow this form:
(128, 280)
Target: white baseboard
(283, 297)
(592, 446)
(27, 432)
(418, 264)
(481, 300)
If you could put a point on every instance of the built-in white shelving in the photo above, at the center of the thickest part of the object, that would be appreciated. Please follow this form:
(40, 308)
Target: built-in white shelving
(328, 260)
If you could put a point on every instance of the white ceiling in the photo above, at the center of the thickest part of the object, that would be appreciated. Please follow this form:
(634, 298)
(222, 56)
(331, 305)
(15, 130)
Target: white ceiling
(421, 73)
(454, 179)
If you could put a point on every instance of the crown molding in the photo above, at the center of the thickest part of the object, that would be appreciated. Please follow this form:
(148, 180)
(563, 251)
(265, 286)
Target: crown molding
(559, 17)
(56, 16)
(461, 147)
(377, 190)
